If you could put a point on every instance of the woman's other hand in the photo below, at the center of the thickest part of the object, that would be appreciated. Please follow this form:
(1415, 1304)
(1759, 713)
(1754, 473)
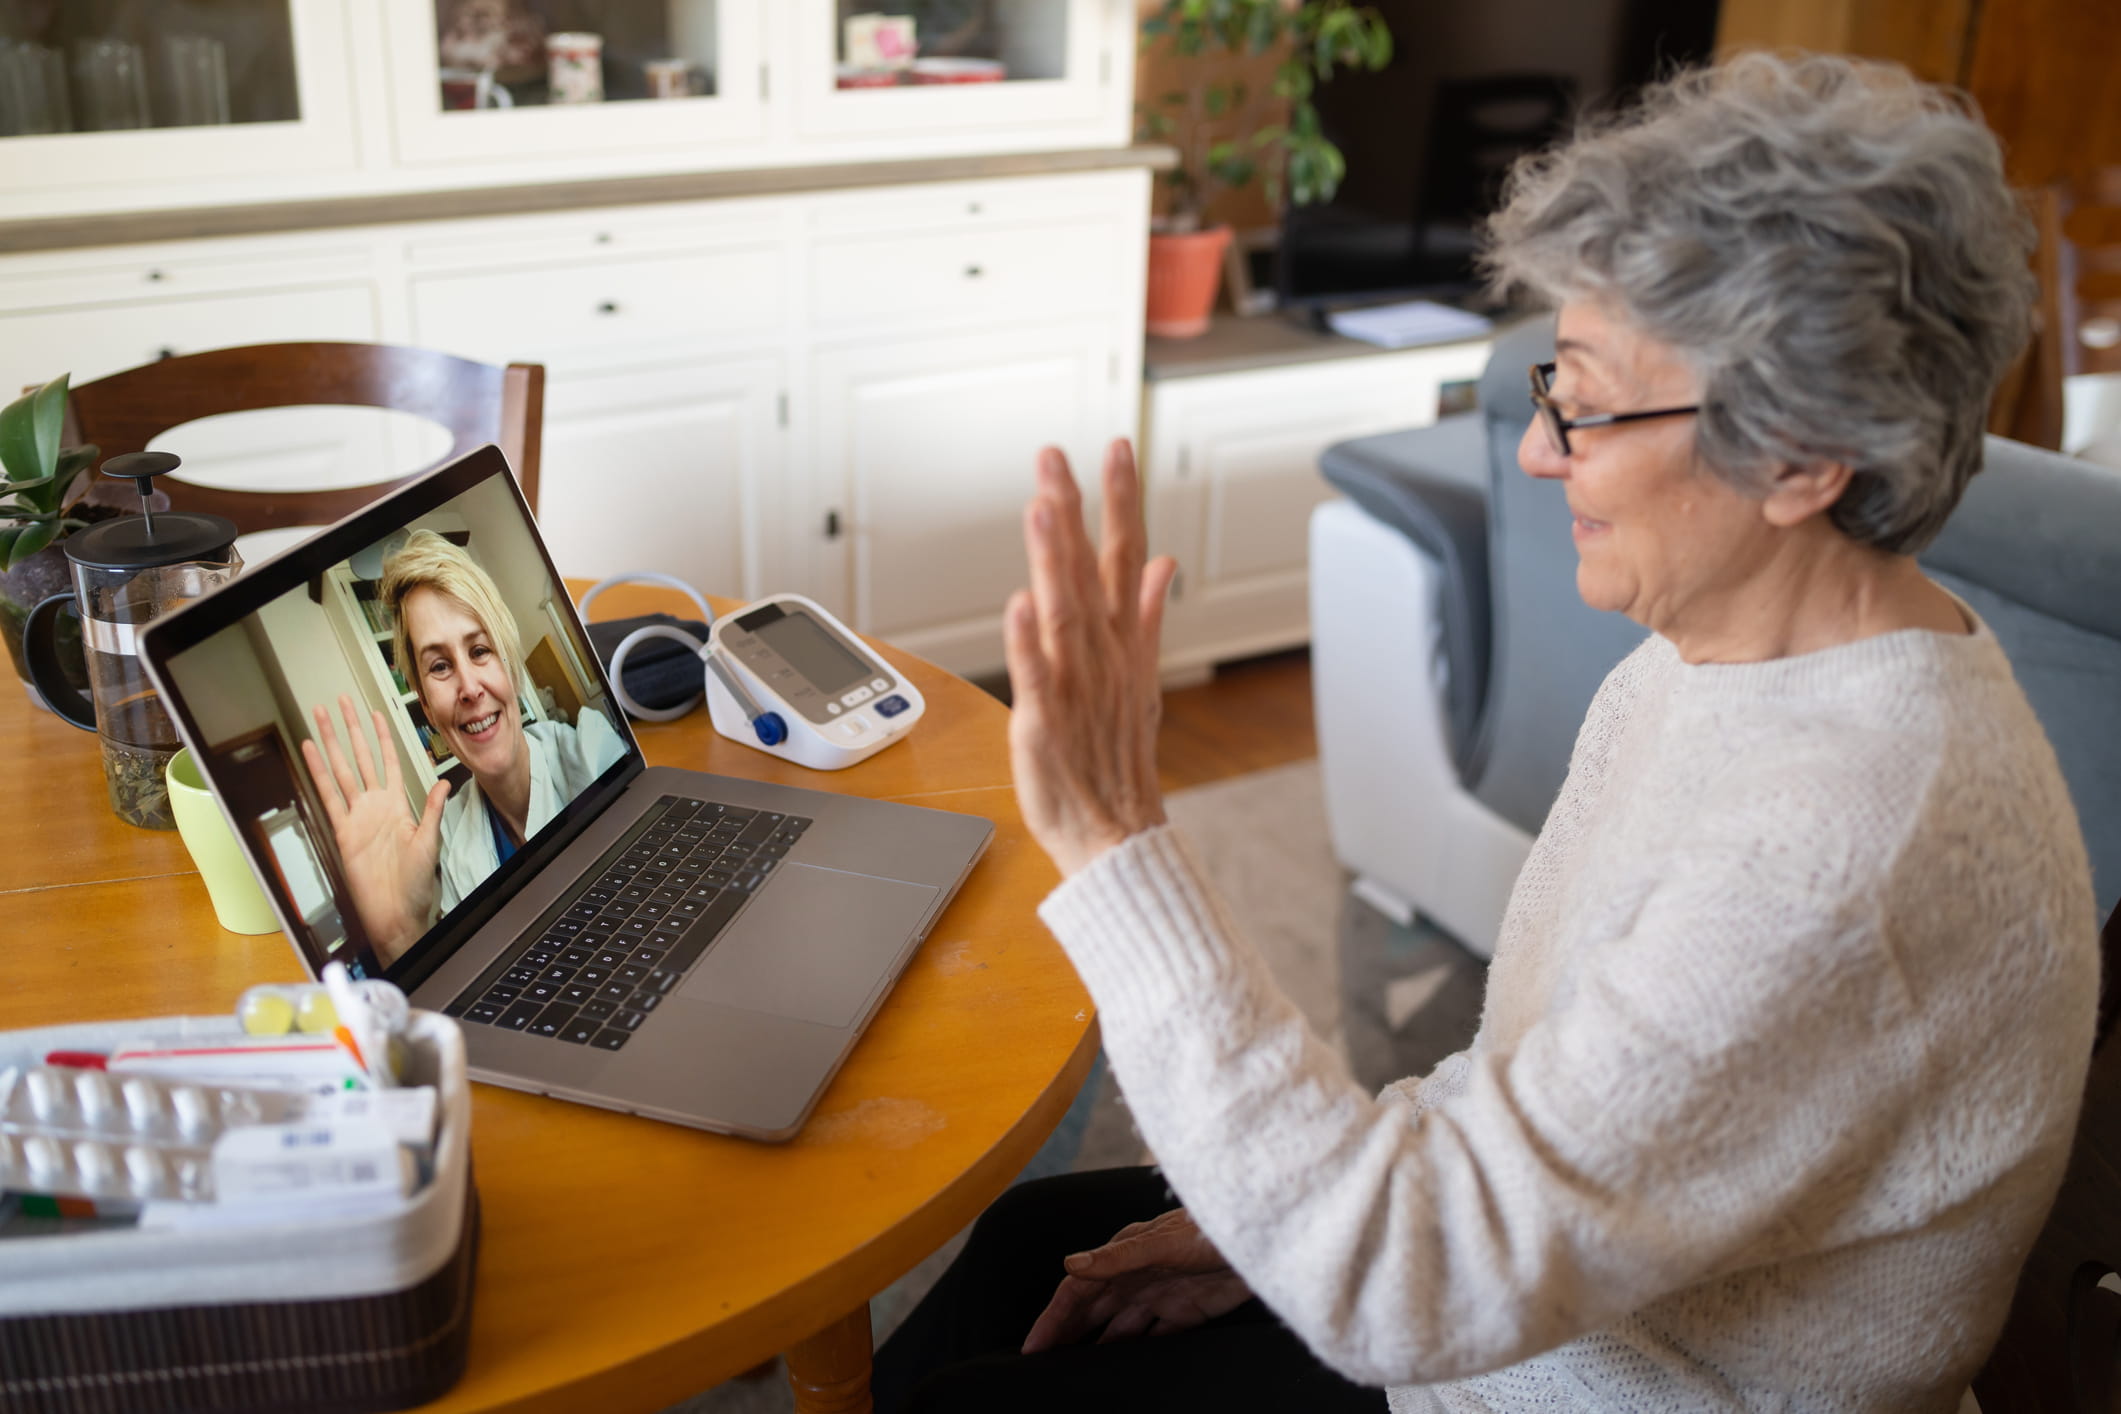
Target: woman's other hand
(388, 856)
(1153, 1278)
(1081, 645)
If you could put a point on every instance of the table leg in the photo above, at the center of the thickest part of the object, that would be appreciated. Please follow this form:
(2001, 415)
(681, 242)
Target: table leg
(830, 1371)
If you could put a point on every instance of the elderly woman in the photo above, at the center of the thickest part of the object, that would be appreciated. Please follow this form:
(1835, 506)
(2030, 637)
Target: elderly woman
(457, 645)
(1789, 1015)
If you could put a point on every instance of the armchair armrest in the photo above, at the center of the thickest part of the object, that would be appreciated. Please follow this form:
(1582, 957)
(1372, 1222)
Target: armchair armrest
(1430, 485)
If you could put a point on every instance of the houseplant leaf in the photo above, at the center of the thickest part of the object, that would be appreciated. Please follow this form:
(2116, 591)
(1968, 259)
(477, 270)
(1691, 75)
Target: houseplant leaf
(47, 413)
(75, 465)
(18, 440)
(29, 540)
(29, 435)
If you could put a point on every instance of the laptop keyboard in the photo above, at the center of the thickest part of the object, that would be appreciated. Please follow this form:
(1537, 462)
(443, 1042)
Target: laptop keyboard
(601, 960)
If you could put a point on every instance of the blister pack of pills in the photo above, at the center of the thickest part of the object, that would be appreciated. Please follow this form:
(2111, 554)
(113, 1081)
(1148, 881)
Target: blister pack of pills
(89, 1134)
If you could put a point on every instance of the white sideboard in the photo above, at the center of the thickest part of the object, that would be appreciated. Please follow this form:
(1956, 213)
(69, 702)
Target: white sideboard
(1234, 426)
(796, 337)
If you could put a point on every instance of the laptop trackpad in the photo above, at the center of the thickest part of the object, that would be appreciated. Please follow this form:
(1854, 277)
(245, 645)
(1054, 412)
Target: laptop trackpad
(812, 945)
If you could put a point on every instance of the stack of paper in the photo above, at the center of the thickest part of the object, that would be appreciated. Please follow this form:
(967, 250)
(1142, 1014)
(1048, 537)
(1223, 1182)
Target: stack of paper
(1399, 326)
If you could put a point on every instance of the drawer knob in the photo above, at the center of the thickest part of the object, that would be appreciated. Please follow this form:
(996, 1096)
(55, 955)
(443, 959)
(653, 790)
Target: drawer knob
(610, 306)
(974, 209)
(156, 276)
(973, 272)
(603, 238)
(164, 352)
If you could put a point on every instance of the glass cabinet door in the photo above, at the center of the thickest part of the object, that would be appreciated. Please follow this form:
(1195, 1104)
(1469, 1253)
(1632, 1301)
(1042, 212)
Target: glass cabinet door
(485, 79)
(153, 91)
(872, 66)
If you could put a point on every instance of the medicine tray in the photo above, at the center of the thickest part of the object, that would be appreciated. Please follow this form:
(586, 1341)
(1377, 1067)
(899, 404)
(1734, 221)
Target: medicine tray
(334, 1316)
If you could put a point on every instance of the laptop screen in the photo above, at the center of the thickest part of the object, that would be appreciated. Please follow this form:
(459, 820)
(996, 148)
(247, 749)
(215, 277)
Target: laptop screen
(403, 717)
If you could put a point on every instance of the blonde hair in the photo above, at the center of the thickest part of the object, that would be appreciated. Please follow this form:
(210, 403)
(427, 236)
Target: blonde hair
(427, 561)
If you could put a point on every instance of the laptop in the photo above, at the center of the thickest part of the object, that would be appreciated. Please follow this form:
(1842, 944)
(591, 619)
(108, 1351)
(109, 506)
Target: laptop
(693, 948)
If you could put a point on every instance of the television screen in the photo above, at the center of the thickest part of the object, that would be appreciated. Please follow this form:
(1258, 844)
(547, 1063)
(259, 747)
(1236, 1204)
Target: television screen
(1429, 139)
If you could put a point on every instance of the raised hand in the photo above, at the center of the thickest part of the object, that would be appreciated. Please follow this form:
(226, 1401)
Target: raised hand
(1153, 1278)
(389, 857)
(1081, 644)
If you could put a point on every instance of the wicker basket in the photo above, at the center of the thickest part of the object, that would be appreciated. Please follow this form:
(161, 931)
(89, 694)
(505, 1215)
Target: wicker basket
(331, 1317)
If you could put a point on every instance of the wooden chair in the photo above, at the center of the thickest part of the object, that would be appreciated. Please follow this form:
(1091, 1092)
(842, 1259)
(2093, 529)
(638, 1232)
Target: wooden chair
(477, 402)
(2061, 1350)
(2079, 265)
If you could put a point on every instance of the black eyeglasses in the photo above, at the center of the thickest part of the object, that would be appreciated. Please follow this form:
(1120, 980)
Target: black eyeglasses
(1558, 426)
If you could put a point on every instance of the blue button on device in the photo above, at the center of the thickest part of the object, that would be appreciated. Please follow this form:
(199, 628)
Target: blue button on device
(891, 706)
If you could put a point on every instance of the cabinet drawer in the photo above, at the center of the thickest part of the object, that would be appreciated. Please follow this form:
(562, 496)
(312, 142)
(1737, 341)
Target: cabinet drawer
(89, 343)
(54, 281)
(599, 237)
(942, 205)
(899, 282)
(557, 313)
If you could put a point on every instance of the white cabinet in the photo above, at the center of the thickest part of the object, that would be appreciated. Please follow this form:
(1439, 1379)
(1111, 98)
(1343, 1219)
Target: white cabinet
(165, 96)
(665, 335)
(676, 468)
(926, 459)
(717, 43)
(839, 393)
(1231, 469)
(775, 357)
(1039, 63)
(335, 98)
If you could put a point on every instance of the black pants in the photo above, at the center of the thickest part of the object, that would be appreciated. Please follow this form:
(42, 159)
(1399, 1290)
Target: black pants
(958, 1352)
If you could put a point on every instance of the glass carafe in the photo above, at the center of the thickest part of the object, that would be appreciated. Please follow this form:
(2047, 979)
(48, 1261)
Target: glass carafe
(127, 573)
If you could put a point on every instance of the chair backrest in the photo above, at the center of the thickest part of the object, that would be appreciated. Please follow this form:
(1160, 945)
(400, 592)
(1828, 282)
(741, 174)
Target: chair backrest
(477, 402)
(2087, 243)
(2060, 1352)
(2032, 547)
(2079, 265)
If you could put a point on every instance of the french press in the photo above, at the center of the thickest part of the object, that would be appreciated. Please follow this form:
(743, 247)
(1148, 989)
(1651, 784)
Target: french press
(127, 572)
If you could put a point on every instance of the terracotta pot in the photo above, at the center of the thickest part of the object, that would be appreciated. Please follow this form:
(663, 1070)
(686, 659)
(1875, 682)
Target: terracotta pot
(1185, 271)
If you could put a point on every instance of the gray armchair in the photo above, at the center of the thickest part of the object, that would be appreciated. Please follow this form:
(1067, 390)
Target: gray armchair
(1453, 661)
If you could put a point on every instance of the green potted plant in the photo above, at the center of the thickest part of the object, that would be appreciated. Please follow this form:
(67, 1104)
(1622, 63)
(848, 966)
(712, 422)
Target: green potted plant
(1294, 158)
(45, 495)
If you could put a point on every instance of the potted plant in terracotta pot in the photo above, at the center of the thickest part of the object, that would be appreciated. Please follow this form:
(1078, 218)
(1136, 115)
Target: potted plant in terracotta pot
(1315, 39)
(44, 496)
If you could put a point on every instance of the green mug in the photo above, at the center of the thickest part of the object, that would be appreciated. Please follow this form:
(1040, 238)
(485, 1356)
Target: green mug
(239, 904)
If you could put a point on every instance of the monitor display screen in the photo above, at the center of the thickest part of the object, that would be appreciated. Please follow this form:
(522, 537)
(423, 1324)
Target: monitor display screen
(390, 732)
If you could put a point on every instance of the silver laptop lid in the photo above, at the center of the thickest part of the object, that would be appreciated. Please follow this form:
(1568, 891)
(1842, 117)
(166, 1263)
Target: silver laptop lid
(500, 734)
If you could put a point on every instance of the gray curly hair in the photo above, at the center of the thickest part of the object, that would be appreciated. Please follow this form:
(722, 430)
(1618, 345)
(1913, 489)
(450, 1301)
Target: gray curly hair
(1829, 243)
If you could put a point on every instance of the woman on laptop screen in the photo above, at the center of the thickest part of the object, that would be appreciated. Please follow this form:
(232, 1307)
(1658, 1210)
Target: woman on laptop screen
(458, 647)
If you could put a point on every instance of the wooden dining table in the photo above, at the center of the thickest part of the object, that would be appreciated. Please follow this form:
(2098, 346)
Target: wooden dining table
(626, 1264)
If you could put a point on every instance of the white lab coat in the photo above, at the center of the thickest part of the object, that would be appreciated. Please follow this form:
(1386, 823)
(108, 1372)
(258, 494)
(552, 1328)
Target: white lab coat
(563, 762)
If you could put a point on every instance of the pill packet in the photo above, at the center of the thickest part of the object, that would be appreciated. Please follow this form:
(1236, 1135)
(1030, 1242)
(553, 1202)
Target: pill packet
(87, 1134)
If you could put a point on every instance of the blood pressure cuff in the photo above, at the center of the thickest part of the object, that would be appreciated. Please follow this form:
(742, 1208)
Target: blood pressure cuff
(660, 672)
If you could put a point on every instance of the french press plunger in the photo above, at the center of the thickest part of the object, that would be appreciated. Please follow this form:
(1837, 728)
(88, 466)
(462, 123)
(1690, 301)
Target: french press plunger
(127, 572)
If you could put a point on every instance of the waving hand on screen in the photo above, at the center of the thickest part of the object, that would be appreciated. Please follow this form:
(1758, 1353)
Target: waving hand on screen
(389, 857)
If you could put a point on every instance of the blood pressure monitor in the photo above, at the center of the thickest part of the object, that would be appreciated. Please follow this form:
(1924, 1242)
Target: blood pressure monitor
(786, 657)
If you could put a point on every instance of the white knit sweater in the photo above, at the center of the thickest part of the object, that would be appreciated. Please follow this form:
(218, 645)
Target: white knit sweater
(1782, 1051)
